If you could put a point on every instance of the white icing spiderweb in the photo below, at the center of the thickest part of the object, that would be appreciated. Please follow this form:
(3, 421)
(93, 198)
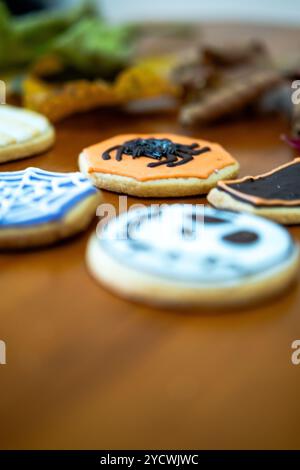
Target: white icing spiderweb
(37, 196)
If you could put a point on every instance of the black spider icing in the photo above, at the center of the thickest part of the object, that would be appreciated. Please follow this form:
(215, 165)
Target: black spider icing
(165, 151)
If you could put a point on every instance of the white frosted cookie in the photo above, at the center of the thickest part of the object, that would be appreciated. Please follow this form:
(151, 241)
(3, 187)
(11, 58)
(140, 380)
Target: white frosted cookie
(275, 194)
(182, 255)
(23, 133)
(40, 207)
(157, 165)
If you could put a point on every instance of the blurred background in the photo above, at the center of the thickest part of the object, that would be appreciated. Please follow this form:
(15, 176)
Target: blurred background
(65, 56)
(274, 11)
(265, 11)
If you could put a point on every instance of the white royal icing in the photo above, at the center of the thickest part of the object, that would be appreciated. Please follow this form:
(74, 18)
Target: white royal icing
(174, 245)
(18, 125)
(35, 196)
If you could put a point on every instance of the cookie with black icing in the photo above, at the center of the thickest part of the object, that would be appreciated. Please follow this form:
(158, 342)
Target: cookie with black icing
(275, 194)
(157, 165)
(185, 254)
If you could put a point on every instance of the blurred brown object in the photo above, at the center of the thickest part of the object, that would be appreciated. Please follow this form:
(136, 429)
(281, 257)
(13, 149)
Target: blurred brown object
(193, 77)
(231, 55)
(231, 97)
(223, 80)
(209, 64)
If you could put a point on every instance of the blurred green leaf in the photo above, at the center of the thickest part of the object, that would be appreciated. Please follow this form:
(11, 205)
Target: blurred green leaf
(11, 51)
(94, 47)
(82, 40)
(37, 30)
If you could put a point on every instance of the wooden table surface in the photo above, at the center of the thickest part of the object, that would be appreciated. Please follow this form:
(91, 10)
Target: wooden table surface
(86, 369)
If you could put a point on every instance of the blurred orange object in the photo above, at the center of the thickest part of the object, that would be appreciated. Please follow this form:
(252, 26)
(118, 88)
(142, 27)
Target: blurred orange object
(147, 79)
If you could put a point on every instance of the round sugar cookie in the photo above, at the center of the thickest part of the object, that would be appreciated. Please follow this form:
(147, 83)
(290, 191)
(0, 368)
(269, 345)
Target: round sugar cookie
(40, 207)
(23, 133)
(157, 165)
(185, 254)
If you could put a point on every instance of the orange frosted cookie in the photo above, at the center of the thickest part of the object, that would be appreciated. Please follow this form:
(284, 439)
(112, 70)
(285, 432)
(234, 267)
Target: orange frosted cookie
(157, 165)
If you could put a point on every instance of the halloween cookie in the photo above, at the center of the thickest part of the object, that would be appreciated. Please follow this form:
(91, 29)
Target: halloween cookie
(275, 195)
(39, 207)
(185, 254)
(157, 165)
(23, 133)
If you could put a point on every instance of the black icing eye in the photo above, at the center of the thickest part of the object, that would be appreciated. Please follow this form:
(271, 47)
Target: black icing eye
(243, 237)
(207, 219)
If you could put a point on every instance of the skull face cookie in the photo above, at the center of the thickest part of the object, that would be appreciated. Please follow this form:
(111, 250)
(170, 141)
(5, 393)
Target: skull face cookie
(157, 165)
(185, 254)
